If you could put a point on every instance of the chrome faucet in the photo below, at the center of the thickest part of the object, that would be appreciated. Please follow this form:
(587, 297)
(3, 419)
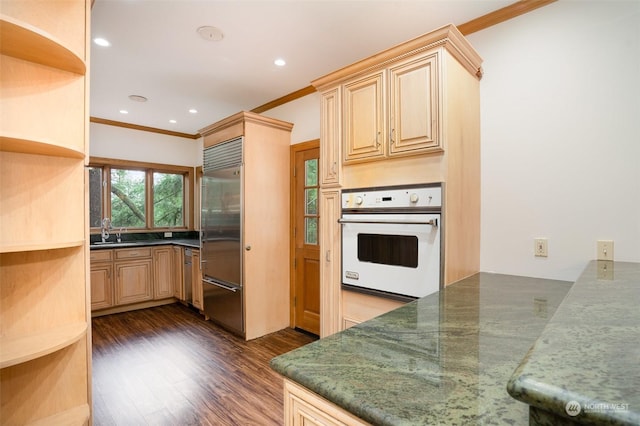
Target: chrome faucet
(119, 234)
(105, 228)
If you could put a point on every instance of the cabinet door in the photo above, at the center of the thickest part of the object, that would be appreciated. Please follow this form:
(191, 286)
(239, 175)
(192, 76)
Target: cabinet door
(330, 279)
(101, 286)
(364, 118)
(330, 138)
(133, 281)
(196, 276)
(304, 408)
(162, 272)
(414, 106)
(178, 272)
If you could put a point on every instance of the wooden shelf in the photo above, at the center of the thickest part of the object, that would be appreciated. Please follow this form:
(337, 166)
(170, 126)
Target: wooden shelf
(27, 146)
(16, 350)
(37, 246)
(75, 416)
(27, 42)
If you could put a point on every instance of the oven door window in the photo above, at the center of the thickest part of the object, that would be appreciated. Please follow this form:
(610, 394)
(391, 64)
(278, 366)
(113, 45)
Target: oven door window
(385, 249)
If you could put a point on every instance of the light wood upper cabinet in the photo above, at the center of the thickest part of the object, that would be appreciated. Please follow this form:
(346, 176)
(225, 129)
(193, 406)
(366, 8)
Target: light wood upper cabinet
(394, 111)
(331, 134)
(364, 118)
(414, 106)
(163, 275)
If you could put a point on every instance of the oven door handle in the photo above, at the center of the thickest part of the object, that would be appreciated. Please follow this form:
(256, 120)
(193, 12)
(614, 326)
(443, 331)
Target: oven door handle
(432, 222)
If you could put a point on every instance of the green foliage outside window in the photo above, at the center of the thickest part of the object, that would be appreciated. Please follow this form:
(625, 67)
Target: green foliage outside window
(128, 198)
(168, 200)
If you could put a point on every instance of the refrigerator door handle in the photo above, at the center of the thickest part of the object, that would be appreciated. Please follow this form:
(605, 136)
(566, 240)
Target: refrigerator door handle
(221, 285)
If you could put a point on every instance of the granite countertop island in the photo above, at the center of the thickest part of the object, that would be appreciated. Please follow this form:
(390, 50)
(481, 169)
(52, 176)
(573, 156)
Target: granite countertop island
(443, 359)
(585, 367)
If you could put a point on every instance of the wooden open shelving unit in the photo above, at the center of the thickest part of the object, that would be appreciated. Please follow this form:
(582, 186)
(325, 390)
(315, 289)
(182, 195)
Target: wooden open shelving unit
(45, 338)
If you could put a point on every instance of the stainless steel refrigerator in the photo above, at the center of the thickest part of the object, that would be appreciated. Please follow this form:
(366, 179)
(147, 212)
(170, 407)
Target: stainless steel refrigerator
(221, 235)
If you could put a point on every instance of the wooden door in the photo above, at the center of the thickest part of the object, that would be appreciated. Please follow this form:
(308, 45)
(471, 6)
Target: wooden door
(306, 264)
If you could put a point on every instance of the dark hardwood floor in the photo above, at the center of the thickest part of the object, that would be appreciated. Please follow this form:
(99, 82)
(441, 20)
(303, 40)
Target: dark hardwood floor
(168, 366)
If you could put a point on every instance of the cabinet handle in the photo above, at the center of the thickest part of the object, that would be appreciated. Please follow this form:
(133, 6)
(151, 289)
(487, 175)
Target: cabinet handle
(247, 248)
(327, 256)
(377, 139)
(391, 136)
(333, 168)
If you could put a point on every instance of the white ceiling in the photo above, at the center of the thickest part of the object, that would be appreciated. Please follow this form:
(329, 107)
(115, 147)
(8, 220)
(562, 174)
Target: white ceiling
(155, 50)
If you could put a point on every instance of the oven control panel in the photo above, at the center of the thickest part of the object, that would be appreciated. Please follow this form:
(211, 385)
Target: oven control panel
(392, 197)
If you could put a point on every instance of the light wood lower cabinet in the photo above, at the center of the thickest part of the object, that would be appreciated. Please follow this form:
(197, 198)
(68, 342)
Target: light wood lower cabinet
(101, 286)
(163, 277)
(122, 277)
(101, 279)
(305, 408)
(133, 281)
(178, 273)
(358, 307)
(196, 281)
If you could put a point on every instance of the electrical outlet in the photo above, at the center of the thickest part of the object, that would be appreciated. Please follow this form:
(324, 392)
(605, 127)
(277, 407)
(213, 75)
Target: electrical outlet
(540, 247)
(168, 234)
(605, 250)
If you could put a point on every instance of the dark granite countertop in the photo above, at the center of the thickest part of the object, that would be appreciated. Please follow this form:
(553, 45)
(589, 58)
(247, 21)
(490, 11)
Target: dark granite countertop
(193, 243)
(589, 353)
(444, 359)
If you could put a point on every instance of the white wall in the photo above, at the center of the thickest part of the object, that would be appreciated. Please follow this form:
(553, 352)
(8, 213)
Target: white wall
(560, 108)
(304, 113)
(128, 144)
(560, 105)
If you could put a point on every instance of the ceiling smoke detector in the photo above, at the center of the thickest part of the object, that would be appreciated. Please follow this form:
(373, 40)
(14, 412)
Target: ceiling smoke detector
(210, 33)
(138, 98)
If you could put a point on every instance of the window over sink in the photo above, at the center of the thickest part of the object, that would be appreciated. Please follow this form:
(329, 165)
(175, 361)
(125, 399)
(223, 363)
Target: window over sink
(140, 196)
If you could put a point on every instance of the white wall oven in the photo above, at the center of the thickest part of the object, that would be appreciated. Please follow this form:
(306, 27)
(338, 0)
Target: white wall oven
(391, 240)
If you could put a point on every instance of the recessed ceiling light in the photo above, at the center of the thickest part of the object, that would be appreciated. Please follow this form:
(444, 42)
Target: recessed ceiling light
(101, 42)
(210, 33)
(124, 111)
(280, 62)
(193, 111)
(172, 121)
(138, 98)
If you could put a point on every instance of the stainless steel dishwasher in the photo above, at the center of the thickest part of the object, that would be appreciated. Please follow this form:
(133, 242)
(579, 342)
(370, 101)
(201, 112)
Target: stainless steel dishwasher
(187, 273)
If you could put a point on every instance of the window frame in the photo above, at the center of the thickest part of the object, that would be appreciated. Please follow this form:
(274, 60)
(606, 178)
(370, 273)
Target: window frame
(188, 173)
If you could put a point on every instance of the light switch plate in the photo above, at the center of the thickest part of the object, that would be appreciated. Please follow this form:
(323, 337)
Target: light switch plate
(168, 234)
(605, 250)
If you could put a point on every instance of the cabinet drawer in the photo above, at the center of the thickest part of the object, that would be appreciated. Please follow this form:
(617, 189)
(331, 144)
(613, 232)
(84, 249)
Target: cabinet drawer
(101, 255)
(133, 253)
